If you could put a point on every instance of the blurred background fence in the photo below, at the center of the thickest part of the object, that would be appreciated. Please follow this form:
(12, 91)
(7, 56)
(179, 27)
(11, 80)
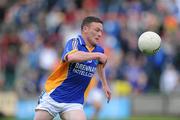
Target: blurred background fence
(33, 34)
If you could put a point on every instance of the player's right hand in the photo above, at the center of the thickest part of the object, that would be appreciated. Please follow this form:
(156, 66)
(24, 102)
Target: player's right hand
(102, 58)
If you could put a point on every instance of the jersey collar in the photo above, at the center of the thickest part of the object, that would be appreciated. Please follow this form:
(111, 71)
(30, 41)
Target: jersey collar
(82, 42)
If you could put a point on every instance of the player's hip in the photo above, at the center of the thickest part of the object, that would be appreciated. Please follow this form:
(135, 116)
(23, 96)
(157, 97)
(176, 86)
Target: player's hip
(53, 107)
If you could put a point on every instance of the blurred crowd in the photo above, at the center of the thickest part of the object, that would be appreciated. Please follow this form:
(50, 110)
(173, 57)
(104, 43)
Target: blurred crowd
(33, 34)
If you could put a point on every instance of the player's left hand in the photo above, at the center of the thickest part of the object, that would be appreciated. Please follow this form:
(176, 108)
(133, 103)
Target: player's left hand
(107, 92)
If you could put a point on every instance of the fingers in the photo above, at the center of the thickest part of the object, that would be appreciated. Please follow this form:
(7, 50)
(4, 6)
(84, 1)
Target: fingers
(103, 58)
(108, 95)
(108, 100)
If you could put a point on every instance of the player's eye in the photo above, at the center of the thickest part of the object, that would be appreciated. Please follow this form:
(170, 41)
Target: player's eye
(98, 30)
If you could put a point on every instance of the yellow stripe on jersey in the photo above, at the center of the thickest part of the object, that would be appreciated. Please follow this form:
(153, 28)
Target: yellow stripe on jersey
(91, 85)
(57, 77)
(73, 51)
(93, 80)
(90, 49)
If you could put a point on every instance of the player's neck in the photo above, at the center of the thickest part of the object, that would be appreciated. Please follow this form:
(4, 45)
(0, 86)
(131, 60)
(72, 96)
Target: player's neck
(87, 42)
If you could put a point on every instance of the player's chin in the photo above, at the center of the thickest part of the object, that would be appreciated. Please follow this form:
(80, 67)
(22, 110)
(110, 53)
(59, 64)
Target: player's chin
(95, 43)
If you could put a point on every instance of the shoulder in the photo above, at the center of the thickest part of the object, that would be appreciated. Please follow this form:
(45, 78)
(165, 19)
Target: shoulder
(73, 40)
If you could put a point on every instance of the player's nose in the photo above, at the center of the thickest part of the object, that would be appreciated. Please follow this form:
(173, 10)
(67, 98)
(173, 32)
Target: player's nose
(99, 34)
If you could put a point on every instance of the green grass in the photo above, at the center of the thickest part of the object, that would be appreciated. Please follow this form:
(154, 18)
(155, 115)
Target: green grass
(12, 118)
(132, 118)
(7, 118)
(155, 118)
(148, 118)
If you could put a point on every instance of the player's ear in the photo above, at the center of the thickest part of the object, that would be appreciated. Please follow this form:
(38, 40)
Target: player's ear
(85, 28)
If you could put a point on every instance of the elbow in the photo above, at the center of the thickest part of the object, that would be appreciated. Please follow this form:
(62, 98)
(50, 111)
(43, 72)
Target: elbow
(70, 58)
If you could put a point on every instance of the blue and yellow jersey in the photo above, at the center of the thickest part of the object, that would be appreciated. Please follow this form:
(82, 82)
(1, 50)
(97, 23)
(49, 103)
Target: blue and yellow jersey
(70, 82)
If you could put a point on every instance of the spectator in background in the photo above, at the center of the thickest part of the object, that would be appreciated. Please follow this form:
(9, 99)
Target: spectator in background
(135, 75)
(3, 9)
(38, 20)
(169, 79)
(95, 97)
(10, 55)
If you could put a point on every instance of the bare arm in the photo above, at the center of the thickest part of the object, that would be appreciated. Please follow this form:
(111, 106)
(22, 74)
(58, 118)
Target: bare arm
(80, 56)
(101, 73)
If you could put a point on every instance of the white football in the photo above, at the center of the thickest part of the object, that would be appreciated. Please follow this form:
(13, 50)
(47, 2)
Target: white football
(149, 42)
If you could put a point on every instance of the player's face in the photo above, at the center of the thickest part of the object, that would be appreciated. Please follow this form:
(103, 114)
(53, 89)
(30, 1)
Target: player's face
(95, 32)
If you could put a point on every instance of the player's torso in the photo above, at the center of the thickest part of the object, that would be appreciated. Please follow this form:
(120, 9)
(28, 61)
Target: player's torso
(73, 85)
